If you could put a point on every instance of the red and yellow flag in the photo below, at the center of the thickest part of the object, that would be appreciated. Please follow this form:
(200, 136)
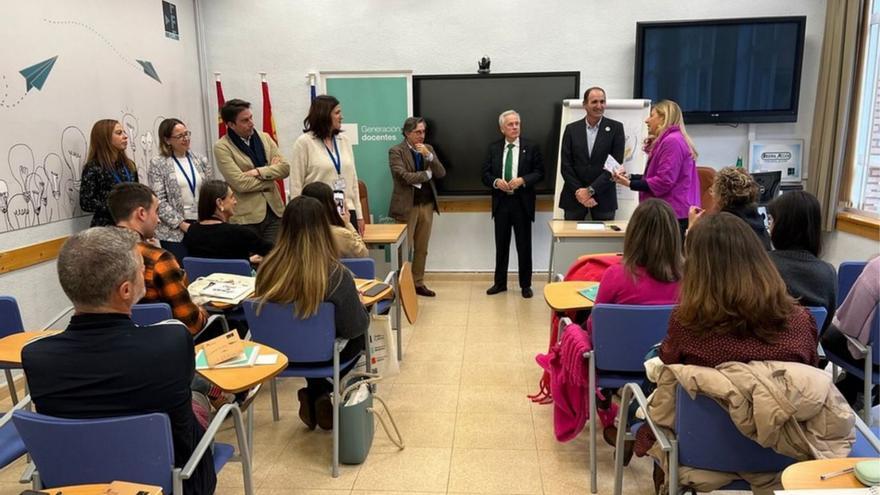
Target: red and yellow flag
(221, 127)
(269, 128)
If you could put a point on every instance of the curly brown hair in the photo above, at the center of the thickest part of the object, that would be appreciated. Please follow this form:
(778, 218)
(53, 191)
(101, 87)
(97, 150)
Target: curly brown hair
(734, 187)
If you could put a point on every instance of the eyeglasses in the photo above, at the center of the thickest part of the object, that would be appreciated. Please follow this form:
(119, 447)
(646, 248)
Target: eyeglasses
(182, 135)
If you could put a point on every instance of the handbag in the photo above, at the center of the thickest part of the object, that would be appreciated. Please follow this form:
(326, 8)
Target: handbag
(356, 425)
(383, 349)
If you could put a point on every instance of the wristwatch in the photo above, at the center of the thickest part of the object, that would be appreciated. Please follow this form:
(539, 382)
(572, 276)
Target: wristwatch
(591, 190)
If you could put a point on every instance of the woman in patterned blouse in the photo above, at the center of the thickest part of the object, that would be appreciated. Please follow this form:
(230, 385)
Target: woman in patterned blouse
(107, 166)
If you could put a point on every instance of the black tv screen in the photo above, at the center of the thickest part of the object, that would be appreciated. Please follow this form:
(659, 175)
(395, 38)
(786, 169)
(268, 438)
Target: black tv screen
(461, 112)
(728, 70)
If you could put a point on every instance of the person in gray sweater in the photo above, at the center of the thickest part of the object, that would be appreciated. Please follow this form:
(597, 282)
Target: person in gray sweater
(796, 234)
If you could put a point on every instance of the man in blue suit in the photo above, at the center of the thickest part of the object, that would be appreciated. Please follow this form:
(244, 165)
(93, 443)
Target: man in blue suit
(512, 169)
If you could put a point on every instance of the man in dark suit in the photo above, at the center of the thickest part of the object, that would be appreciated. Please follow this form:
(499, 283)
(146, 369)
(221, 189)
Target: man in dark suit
(512, 169)
(104, 365)
(588, 191)
(414, 166)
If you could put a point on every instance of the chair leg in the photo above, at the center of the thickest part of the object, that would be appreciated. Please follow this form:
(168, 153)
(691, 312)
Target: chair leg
(13, 394)
(592, 392)
(274, 389)
(250, 430)
(336, 400)
(866, 397)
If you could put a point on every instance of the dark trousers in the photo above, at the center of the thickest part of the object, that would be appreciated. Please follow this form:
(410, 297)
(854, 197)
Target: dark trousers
(511, 213)
(584, 213)
(267, 229)
(320, 386)
(682, 227)
(850, 386)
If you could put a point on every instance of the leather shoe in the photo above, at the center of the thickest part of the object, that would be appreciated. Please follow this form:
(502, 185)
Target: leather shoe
(609, 434)
(495, 289)
(527, 292)
(424, 291)
(306, 408)
(324, 412)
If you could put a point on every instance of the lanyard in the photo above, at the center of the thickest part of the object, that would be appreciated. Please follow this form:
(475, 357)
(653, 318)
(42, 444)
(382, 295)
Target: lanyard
(337, 160)
(118, 179)
(190, 182)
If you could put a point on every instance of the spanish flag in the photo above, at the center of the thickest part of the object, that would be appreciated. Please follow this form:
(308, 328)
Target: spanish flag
(269, 128)
(221, 127)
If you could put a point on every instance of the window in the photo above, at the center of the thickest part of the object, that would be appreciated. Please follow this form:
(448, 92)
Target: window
(865, 192)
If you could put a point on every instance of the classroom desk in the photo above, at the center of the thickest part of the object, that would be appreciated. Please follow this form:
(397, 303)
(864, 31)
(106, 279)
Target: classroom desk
(364, 284)
(563, 296)
(604, 241)
(11, 346)
(234, 380)
(805, 475)
(92, 489)
(394, 235)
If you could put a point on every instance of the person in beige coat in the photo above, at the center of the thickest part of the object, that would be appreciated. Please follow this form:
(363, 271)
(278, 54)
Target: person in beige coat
(348, 242)
(250, 162)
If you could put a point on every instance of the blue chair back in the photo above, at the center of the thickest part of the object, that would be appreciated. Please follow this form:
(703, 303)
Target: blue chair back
(847, 273)
(708, 439)
(819, 314)
(84, 451)
(361, 267)
(302, 341)
(624, 333)
(149, 313)
(202, 267)
(10, 316)
(178, 249)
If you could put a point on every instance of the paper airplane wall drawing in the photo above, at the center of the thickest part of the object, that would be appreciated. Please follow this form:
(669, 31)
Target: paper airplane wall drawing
(149, 69)
(35, 75)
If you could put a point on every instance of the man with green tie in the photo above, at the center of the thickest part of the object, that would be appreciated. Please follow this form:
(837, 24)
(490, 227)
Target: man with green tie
(512, 169)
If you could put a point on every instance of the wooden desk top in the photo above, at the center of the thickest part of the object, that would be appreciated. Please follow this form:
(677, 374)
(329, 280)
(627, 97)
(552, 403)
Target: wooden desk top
(11, 345)
(383, 233)
(805, 475)
(568, 228)
(563, 296)
(369, 301)
(235, 380)
(96, 489)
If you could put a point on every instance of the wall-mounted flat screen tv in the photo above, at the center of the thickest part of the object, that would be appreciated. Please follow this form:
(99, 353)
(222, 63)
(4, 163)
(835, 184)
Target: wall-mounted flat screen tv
(725, 70)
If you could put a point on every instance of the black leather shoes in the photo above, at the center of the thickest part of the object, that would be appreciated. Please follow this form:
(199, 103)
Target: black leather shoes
(495, 289)
(424, 291)
(527, 292)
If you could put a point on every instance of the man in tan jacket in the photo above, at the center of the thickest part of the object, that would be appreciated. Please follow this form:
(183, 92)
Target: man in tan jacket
(414, 165)
(250, 162)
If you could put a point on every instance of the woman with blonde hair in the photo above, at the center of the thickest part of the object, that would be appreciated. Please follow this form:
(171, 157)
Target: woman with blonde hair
(303, 270)
(106, 166)
(671, 171)
(176, 176)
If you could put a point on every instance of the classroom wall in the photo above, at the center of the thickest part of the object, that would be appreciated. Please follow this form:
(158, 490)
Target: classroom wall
(288, 39)
(44, 130)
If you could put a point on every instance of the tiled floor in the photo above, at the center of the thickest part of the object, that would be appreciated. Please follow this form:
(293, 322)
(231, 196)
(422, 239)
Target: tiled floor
(460, 402)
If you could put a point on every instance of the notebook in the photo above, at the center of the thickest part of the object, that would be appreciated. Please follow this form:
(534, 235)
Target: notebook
(590, 292)
(245, 359)
(223, 287)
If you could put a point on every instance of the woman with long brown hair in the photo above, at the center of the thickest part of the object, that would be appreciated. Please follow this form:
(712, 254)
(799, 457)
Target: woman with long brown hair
(106, 166)
(349, 243)
(303, 270)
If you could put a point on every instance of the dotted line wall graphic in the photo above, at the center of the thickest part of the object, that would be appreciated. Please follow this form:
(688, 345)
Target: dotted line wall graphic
(99, 35)
(4, 100)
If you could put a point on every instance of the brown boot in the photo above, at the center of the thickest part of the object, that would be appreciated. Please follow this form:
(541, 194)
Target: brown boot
(609, 434)
(306, 408)
(659, 478)
(324, 412)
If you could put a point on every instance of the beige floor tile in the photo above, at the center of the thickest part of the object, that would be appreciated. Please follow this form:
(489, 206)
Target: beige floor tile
(492, 334)
(494, 374)
(418, 429)
(495, 471)
(482, 352)
(12, 473)
(412, 469)
(487, 399)
(568, 473)
(429, 372)
(446, 333)
(383, 492)
(299, 491)
(494, 431)
(423, 398)
(306, 463)
(434, 351)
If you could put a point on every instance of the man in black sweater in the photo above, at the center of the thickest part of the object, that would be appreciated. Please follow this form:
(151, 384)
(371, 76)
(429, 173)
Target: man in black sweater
(104, 365)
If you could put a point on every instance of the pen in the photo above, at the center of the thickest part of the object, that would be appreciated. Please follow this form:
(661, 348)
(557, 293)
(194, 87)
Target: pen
(835, 474)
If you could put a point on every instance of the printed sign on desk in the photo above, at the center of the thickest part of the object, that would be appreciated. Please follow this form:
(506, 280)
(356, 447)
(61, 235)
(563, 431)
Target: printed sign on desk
(784, 155)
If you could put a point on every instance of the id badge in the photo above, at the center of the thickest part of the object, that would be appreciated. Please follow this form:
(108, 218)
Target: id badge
(339, 184)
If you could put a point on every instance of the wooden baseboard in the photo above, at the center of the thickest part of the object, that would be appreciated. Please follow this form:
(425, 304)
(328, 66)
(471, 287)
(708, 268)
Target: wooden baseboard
(23, 257)
(476, 205)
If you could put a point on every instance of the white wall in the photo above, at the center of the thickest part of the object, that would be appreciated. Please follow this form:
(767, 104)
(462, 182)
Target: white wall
(96, 76)
(291, 38)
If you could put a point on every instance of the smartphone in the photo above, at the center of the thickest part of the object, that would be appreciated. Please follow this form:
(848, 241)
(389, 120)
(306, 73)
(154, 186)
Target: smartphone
(614, 228)
(339, 199)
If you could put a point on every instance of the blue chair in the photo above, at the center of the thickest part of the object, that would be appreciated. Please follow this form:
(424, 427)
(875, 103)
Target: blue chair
(867, 444)
(871, 354)
(819, 314)
(178, 249)
(622, 335)
(366, 268)
(11, 445)
(132, 448)
(151, 313)
(303, 341)
(847, 273)
(10, 323)
(202, 267)
(701, 426)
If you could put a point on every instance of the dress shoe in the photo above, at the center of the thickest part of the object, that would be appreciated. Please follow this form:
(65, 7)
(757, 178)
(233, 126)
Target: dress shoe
(527, 292)
(306, 408)
(324, 412)
(609, 434)
(424, 291)
(495, 289)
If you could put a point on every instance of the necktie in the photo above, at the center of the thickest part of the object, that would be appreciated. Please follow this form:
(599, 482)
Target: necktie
(508, 163)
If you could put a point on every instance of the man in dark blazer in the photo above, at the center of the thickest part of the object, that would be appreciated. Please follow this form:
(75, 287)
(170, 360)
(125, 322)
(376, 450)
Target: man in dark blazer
(512, 169)
(588, 191)
(414, 166)
(104, 365)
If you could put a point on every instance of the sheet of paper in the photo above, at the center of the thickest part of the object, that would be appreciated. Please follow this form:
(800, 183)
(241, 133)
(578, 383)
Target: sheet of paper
(593, 227)
(267, 359)
(828, 491)
(611, 164)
